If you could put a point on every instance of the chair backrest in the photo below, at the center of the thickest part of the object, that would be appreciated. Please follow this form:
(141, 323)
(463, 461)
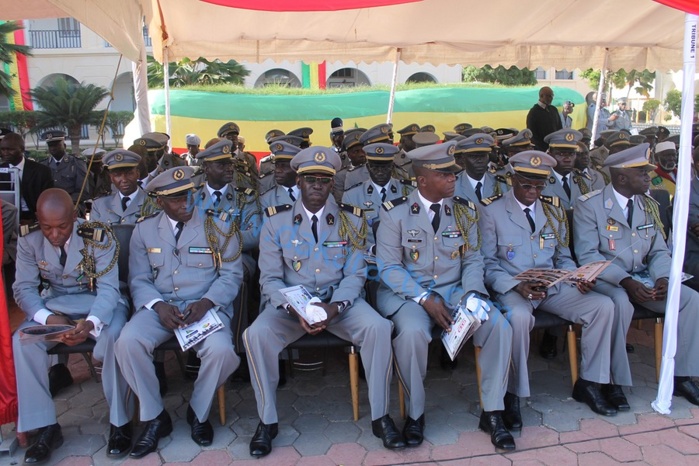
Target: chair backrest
(571, 245)
(123, 234)
(663, 198)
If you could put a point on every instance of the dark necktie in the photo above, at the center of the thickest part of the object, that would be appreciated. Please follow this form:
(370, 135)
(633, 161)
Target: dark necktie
(383, 194)
(435, 220)
(179, 227)
(291, 193)
(479, 185)
(314, 227)
(566, 186)
(527, 211)
(218, 198)
(140, 183)
(63, 257)
(124, 203)
(629, 211)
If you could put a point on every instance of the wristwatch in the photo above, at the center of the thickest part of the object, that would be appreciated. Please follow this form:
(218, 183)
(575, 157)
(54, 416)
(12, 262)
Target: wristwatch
(341, 306)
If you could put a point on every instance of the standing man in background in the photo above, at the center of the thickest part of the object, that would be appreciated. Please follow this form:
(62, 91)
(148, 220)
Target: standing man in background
(543, 119)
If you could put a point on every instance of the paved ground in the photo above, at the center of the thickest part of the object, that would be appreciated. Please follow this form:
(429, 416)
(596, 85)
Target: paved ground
(316, 427)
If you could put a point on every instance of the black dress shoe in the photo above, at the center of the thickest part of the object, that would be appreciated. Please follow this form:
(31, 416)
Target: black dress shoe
(590, 393)
(119, 440)
(261, 443)
(412, 431)
(491, 423)
(50, 438)
(512, 417)
(548, 348)
(685, 386)
(155, 429)
(202, 432)
(615, 397)
(386, 430)
(160, 374)
(59, 378)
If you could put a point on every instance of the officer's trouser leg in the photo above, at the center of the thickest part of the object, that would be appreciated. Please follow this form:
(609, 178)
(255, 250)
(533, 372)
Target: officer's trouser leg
(623, 314)
(494, 337)
(518, 312)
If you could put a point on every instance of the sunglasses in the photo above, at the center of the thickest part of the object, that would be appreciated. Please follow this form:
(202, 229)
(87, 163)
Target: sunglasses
(317, 179)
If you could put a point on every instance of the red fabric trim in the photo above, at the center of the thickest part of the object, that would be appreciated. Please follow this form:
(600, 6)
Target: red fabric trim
(306, 5)
(8, 382)
(321, 75)
(688, 6)
(23, 72)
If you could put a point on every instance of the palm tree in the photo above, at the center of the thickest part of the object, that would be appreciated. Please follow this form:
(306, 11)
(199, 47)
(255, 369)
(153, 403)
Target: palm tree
(200, 71)
(7, 52)
(70, 105)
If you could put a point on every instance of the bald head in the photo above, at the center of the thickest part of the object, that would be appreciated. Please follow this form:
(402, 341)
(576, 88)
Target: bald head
(54, 202)
(55, 213)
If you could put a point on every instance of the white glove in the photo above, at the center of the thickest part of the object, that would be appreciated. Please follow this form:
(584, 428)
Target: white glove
(315, 313)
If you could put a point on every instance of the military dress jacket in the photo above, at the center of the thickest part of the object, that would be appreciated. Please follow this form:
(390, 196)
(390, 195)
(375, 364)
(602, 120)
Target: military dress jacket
(412, 259)
(491, 187)
(579, 184)
(368, 198)
(68, 175)
(332, 269)
(108, 209)
(278, 195)
(38, 263)
(603, 233)
(184, 271)
(509, 245)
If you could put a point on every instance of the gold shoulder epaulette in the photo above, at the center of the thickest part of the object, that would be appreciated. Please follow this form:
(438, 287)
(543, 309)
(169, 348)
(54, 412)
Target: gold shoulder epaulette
(275, 209)
(24, 230)
(272, 188)
(145, 217)
(354, 186)
(464, 201)
(409, 183)
(220, 214)
(247, 191)
(589, 195)
(388, 205)
(553, 200)
(491, 199)
(648, 196)
(354, 210)
(95, 234)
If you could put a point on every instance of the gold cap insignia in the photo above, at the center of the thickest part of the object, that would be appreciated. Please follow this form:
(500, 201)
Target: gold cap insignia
(118, 157)
(226, 149)
(384, 129)
(319, 157)
(278, 147)
(178, 175)
(570, 137)
(142, 142)
(379, 150)
(451, 150)
(479, 141)
(535, 161)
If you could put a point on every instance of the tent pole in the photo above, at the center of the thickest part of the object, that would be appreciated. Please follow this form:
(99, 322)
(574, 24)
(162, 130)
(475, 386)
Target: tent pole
(600, 91)
(394, 83)
(139, 73)
(663, 402)
(166, 82)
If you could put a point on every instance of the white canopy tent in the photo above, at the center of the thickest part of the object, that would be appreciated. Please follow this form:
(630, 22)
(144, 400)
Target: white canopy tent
(566, 34)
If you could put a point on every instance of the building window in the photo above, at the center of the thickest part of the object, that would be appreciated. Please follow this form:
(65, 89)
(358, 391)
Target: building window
(278, 77)
(68, 27)
(540, 73)
(347, 77)
(564, 74)
(421, 78)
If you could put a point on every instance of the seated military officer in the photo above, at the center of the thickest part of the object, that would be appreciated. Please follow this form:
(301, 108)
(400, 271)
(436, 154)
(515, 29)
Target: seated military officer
(125, 205)
(475, 182)
(427, 253)
(285, 190)
(352, 156)
(266, 177)
(565, 182)
(318, 244)
(218, 193)
(358, 172)
(380, 187)
(621, 223)
(525, 231)
(183, 261)
(79, 280)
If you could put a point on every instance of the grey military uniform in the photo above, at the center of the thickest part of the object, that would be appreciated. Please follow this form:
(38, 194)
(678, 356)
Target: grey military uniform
(579, 185)
(413, 259)
(108, 209)
(403, 166)
(266, 178)
(368, 198)
(179, 273)
(332, 269)
(69, 174)
(356, 175)
(595, 177)
(603, 233)
(509, 248)
(277, 196)
(38, 262)
(623, 120)
(491, 187)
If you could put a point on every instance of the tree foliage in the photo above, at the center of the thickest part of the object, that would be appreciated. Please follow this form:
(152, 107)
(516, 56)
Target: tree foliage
(640, 81)
(673, 102)
(511, 76)
(116, 121)
(200, 71)
(21, 122)
(70, 105)
(7, 55)
(651, 107)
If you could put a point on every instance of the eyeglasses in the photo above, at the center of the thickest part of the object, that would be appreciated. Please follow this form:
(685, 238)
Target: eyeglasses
(529, 187)
(317, 179)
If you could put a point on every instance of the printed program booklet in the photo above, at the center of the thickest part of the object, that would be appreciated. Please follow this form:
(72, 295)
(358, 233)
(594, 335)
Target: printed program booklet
(299, 298)
(550, 277)
(466, 322)
(39, 333)
(199, 330)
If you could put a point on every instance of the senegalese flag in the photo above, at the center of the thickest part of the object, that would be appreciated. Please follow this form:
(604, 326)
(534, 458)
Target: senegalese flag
(19, 77)
(313, 75)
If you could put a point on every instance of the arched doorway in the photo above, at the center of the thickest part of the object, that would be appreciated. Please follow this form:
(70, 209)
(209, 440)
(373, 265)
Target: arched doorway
(278, 77)
(348, 77)
(124, 100)
(51, 79)
(421, 77)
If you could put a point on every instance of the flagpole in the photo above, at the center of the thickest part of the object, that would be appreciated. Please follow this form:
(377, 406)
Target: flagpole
(394, 83)
(663, 402)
